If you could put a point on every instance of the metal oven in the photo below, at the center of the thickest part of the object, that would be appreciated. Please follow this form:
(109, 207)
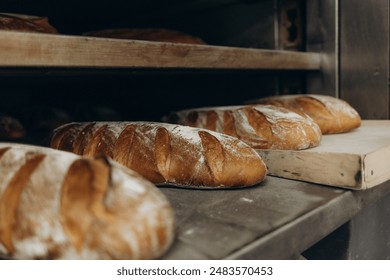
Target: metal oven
(254, 48)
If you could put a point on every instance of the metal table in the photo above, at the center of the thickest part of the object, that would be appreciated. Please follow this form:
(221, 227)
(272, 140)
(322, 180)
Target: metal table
(281, 219)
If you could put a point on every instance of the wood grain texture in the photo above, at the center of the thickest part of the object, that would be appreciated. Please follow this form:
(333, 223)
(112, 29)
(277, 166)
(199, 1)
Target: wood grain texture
(355, 160)
(25, 49)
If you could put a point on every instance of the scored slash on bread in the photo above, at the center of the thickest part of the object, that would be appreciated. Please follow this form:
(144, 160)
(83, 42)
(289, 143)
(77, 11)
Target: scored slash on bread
(167, 153)
(259, 126)
(58, 205)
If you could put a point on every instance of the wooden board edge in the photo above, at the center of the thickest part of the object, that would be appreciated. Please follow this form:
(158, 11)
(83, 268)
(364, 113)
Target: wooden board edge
(377, 167)
(332, 169)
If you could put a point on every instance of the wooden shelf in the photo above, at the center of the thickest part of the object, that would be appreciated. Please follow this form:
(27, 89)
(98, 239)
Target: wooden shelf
(18, 49)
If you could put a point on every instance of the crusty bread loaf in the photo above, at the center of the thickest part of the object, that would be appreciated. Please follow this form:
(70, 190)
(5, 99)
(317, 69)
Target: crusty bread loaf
(260, 126)
(166, 153)
(10, 128)
(57, 205)
(148, 34)
(26, 23)
(332, 115)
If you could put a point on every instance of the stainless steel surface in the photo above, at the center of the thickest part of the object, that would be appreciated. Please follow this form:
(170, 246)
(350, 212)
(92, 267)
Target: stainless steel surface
(322, 36)
(370, 231)
(364, 56)
(290, 27)
(365, 237)
(277, 219)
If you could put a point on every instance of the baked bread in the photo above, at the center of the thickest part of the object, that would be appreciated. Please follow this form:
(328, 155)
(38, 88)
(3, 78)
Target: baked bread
(260, 126)
(57, 205)
(10, 128)
(148, 34)
(166, 153)
(26, 23)
(332, 115)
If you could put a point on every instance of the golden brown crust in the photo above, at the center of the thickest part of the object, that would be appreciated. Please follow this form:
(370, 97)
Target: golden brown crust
(173, 154)
(332, 115)
(26, 23)
(65, 137)
(82, 144)
(10, 198)
(228, 125)
(163, 152)
(137, 154)
(258, 121)
(211, 121)
(259, 126)
(84, 190)
(96, 147)
(3, 151)
(59, 205)
(148, 34)
(121, 151)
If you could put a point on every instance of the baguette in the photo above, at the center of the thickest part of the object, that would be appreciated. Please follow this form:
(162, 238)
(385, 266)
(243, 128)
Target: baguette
(57, 205)
(148, 34)
(166, 153)
(26, 23)
(260, 126)
(332, 115)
